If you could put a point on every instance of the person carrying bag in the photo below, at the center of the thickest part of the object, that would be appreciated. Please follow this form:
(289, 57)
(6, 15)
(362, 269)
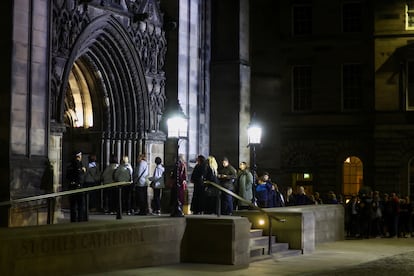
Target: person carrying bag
(157, 183)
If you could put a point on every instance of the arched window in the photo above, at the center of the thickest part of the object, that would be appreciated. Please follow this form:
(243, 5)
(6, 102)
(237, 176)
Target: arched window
(352, 175)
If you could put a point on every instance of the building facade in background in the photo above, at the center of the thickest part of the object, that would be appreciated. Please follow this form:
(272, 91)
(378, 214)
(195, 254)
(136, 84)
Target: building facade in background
(337, 79)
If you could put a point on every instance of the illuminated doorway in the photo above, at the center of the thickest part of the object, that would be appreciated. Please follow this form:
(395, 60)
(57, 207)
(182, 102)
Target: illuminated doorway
(83, 109)
(78, 103)
(352, 175)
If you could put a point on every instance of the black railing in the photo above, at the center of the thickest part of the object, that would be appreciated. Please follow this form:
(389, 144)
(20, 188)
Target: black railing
(52, 196)
(251, 205)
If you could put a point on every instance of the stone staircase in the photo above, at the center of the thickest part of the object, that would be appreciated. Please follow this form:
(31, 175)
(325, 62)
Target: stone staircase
(259, 247)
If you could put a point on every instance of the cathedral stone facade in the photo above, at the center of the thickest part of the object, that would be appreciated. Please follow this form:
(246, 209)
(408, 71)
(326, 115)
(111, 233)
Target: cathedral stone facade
(334, 100)
(86, 76)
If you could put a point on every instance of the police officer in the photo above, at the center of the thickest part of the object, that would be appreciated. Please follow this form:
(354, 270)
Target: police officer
(75, 174)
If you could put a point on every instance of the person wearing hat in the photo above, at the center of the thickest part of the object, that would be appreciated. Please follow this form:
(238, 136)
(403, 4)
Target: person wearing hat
(75, 174)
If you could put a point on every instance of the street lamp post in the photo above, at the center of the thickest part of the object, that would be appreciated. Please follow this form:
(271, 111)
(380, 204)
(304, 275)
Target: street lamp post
(177, 125)
(254, 135)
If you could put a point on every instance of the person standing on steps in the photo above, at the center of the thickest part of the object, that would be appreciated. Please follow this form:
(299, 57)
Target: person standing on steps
(110, 194)
(124, 174)
(178, 190)
(141, 187)
(157, 184)
(75, 175)
(197, 178)
(227, 176)
(244, 186)
(92, 178)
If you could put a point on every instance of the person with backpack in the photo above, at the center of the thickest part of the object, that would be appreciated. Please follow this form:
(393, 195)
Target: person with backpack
(110, 194)
(92, 178)
(124, 174)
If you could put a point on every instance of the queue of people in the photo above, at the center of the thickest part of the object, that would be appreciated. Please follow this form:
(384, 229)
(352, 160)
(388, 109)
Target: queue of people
(134, 196)
(205, 200)
(264, 193)
(373, 214)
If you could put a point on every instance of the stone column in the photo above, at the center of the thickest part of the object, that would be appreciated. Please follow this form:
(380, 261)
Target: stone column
(230, 80)
(55, 159)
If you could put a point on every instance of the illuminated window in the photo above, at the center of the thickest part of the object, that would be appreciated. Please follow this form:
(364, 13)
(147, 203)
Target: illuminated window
(302, 19)
(352, 175)
(409, 15)
(351, 17)
(351, 86)
(302, 88)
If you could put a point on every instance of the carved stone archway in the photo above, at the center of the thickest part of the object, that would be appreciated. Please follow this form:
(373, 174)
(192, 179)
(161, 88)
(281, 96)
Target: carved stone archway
(121, 57)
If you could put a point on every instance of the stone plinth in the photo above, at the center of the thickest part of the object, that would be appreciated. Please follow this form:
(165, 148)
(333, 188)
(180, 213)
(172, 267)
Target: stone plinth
(216, 240)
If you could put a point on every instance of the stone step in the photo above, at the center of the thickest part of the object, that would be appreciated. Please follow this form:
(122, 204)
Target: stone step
(259, 247)
(257, 251)
(260, 258)
(287, 253)
(279, 250)
(256, 233)
(262, 241)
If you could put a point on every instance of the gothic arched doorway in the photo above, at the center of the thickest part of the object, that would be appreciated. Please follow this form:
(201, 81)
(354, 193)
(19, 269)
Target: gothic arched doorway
(106, 101)
(108, 89)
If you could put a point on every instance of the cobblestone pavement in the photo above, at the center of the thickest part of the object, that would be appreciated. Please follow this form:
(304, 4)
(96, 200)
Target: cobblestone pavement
(347, 257)
(401, 264)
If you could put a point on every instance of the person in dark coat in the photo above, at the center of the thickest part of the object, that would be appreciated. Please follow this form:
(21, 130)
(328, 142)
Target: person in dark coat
(277, 199)
(211, 192)
(197, 177)
(263, 191)
(177, 198)
(75, 174)
(227, 176)
(300, 198)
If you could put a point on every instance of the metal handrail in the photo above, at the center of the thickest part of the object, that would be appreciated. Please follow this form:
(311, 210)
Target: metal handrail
(269, 216)
(51, 196)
